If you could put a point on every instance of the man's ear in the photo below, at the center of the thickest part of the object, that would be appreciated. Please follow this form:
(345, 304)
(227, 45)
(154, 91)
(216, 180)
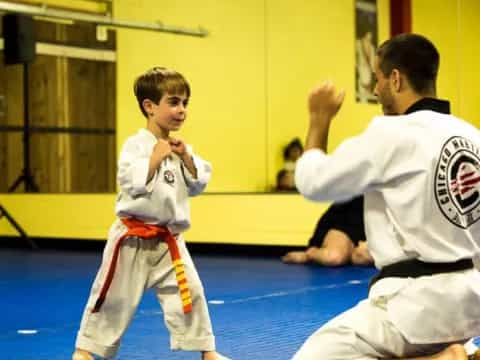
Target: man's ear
(397, 80)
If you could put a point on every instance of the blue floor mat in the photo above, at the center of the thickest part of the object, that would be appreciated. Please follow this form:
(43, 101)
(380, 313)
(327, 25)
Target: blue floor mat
(260, 307)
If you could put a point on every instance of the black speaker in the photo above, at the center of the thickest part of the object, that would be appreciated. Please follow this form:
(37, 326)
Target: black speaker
(18, 38)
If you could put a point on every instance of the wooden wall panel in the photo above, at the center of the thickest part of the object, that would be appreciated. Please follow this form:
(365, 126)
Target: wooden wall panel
(85, 35)
(47, 163)
(3, 136)
(90, 105)
(65, 93)
(110, 86)
(12, 77)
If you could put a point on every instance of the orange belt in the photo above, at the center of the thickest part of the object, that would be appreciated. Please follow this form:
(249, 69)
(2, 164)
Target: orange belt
(147, 231)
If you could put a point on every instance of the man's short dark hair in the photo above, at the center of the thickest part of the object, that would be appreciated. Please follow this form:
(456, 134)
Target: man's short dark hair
(413, 55)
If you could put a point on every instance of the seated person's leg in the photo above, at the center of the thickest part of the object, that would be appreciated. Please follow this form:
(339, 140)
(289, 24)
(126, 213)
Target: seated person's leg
(336, 234)
(82, 355)
(295, 257)
(322, 227)
(361, 255)
(336, 250)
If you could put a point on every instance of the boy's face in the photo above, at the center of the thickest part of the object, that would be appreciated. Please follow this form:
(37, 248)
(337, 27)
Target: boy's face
(294, 153)
(170, 113)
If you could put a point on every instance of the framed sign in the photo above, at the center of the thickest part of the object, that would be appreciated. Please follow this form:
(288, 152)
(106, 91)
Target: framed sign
(366, 40)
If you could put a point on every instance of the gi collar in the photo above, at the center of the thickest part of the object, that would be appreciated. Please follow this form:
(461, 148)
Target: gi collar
(437, 105)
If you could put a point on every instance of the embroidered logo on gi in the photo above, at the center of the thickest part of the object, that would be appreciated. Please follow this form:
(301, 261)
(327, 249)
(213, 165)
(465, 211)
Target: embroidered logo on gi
(169, 177)
(457, 182)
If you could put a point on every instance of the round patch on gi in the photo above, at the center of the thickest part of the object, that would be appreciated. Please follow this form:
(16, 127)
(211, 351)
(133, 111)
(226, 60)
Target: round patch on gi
(169, 177)
(457, 182)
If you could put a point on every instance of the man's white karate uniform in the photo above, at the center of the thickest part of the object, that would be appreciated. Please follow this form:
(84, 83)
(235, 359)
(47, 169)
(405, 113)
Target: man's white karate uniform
(420, 174)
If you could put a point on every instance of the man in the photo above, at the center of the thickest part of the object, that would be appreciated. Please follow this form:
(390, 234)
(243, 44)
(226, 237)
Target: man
(419, 173)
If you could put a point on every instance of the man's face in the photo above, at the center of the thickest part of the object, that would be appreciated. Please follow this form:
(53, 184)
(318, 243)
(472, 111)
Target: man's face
(383, 91)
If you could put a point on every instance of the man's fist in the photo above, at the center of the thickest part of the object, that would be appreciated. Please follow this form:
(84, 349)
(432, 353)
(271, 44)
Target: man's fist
(324, 101)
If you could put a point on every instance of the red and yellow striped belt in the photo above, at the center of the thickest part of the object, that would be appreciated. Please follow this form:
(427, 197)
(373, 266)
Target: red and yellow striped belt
(147, 231)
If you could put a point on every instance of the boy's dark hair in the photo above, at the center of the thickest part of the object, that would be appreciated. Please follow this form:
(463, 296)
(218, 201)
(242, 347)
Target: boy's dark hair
(413, 55)
(294, 143)
(154, 83)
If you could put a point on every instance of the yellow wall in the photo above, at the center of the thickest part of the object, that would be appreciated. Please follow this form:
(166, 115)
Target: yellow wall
(308, 42)
(59, 215)
(250, 78)
(245, 219)
(226, 123)
(453, 27)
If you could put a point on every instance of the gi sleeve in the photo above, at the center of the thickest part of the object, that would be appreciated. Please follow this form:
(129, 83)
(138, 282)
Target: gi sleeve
(133, 170)
(204, 173)
(363, 163)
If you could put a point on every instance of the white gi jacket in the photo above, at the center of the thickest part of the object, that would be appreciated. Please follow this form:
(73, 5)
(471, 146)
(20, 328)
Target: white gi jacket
(164, 200)
(420, 174)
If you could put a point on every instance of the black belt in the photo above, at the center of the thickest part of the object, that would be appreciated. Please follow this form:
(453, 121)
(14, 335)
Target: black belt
(415, 268)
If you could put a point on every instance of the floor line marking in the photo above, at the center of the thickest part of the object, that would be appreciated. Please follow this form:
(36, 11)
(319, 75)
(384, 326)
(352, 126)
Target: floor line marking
(298, 291)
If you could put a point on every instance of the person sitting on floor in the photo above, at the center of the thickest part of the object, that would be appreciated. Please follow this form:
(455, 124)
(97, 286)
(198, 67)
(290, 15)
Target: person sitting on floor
(339, 238)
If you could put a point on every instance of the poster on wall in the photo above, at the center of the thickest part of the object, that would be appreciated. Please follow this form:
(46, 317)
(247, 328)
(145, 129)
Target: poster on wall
(366, 42)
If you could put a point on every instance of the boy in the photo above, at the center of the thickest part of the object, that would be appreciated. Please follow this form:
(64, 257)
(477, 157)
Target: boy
(145, 248)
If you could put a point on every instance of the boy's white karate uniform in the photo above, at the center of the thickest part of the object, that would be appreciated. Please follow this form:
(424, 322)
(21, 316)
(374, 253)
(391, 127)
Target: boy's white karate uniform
(420, 174)
(144, 264)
